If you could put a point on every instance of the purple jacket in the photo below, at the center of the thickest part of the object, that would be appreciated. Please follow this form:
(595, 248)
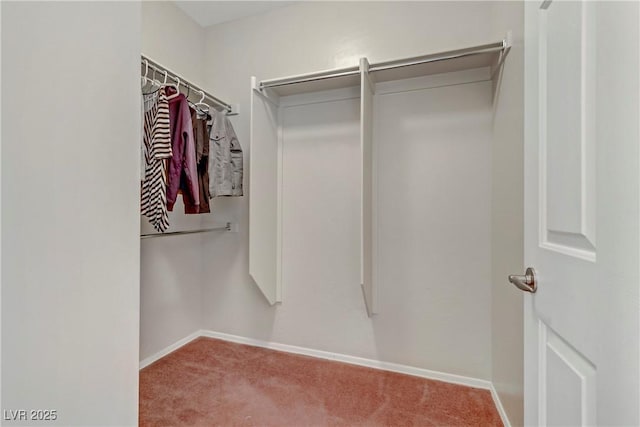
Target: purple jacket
(183, 170)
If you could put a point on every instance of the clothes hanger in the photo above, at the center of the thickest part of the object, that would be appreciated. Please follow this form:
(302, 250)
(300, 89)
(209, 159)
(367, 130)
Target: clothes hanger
(176, 86)
(151, 84)
(191, 104)
(201, 105)
(155, 82)
(146, 72)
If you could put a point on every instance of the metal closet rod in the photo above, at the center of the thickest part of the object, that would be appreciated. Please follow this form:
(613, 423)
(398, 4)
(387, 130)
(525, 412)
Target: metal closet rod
(352, 71)
(226, 227)
(159, 68)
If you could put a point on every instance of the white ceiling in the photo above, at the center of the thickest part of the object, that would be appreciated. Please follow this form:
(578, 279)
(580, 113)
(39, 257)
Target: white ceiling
(208, 13)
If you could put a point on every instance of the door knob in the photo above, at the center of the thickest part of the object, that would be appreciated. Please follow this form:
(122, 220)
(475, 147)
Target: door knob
(527, 283)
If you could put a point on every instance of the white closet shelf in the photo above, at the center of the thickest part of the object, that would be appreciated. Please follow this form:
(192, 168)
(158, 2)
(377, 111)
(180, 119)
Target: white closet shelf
(313, 82)
(434, 64)
(488, 55)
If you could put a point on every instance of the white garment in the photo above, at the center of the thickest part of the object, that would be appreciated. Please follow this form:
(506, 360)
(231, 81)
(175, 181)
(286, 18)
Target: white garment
(225, 158)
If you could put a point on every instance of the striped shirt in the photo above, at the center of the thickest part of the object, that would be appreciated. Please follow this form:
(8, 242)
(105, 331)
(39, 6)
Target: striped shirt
(156, 148)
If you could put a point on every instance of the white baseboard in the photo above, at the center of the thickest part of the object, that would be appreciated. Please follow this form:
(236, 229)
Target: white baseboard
(501, 411)
(173, 347)
(353, 360)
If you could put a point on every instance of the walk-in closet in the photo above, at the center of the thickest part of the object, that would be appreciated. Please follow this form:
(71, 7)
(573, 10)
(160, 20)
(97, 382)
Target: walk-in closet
(292, 213)
(370, 149)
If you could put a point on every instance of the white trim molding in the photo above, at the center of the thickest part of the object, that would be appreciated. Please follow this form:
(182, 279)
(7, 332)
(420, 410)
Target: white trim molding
(499, 407)
(173, 347)
(353, 360)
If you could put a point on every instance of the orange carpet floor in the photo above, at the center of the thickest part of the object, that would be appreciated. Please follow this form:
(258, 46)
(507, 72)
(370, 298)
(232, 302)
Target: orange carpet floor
(210, 382)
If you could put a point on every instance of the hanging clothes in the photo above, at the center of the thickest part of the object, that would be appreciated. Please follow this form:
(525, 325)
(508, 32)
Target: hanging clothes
(156, 147)
(225, 158)
(183, 172)
(201, 136)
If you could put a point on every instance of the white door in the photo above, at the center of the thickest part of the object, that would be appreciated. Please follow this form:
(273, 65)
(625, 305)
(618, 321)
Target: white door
(582, 216)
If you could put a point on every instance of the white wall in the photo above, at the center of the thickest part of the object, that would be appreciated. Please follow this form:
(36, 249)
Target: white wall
(171, 267)
(507, 239)
(0, 210)
(434, 179)
(173, 39)
(70, 248)
(618, 212)
(303, 38)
